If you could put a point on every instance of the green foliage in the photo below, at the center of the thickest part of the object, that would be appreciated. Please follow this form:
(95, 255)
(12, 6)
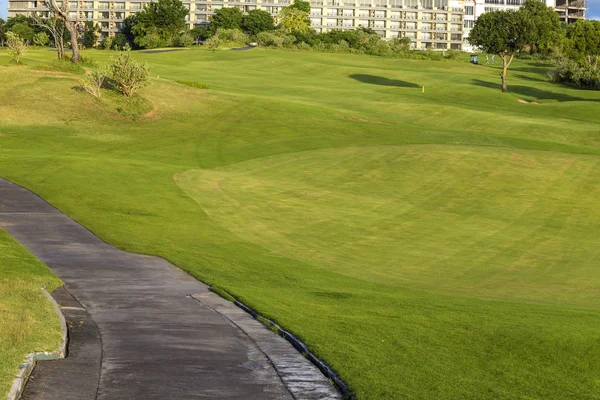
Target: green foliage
(543, 27)
(257, 21)
(151, 41)
(226, 18)
(201, 32)
(2, 31)
(584, 74)
(24, 31)
(292, 19)
(16, 46)
(158, 22)
(500, 32)
(213, 43)
(275, 39)
(194, 84)
(224, 37)
(91, 33)
(185, 39)
(41, 39)
(107, 43)
(301, 5)
(128, 74)
(583, 39)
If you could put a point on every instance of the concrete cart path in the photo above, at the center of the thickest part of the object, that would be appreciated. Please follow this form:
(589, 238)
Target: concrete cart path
(156, 341)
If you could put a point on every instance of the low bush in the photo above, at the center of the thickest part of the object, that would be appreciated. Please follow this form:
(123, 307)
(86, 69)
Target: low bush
(127, 74)
(584, 74)
(197, 85)
(92, 83)
(16, 46)
(183, 40)
(151, 41)
(213, 43)
(107, 43)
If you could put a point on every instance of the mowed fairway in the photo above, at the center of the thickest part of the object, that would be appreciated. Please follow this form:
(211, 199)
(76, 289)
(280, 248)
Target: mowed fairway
(436, 245)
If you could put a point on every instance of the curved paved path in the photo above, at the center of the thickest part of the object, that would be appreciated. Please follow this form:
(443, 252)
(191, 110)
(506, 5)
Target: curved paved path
(135, 331)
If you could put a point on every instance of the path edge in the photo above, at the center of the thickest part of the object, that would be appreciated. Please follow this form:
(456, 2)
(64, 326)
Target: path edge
(298, 344)
(31, 359)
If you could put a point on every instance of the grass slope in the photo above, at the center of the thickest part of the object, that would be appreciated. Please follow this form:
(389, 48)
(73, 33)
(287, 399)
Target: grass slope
(28, 321)
(427, 245)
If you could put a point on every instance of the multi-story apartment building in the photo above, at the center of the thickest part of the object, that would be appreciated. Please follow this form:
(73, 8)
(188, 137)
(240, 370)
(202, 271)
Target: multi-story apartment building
(430, 24)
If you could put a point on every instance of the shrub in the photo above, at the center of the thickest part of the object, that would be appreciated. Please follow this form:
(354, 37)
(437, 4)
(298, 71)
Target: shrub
(197, 85)
(452, 55)
(212, 43)
(41, 39)
(16, 46)
(269, 39)
(232, 35)
(400, 45)
(183, 40)
(151, 41)
(129, 75)
(584, 74)
(92, 83)
(107, 43)
(303, 46)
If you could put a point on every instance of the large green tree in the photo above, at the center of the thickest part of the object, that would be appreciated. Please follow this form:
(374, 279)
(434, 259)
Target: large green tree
(24, 31)
(301, 5)
(257, 21)
(544, 25)
(503, 33)
(583, 38)
(292, 19)
(165, 18)
(226, 18)
(2, 32)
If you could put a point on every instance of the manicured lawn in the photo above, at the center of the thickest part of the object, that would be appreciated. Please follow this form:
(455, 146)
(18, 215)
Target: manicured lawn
(28, 321)
(436, 245)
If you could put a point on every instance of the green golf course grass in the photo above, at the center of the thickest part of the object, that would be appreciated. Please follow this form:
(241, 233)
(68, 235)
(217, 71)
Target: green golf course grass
(426, 235)
(28, 321)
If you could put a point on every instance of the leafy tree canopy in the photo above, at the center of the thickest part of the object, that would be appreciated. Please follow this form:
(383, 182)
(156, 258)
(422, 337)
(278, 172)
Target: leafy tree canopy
(164, 17)
(226, 18)
(257, 21)
(584, 39)
(504, 33)
(292, 19)
(24, 31)
(543, 25)
(301, 5)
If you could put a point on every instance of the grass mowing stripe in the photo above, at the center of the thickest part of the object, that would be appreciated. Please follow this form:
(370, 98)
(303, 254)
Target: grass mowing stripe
(459, 268)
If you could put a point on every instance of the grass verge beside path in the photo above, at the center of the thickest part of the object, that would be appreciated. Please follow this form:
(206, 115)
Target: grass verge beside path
(28, 321)
(437, 245)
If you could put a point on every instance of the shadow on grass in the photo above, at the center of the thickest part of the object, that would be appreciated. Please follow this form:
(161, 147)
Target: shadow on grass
(379, 80)
(529, 78)
(536, 93)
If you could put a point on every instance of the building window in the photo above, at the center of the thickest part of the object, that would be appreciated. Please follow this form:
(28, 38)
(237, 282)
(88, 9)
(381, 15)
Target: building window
(469, 10)
(469, 23)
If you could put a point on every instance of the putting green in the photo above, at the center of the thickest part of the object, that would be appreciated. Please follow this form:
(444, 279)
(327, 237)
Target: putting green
(473, 221)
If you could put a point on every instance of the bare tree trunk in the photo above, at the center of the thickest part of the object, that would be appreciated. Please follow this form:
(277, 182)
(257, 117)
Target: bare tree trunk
(62, 13)
(506, 61)
(72, 28)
